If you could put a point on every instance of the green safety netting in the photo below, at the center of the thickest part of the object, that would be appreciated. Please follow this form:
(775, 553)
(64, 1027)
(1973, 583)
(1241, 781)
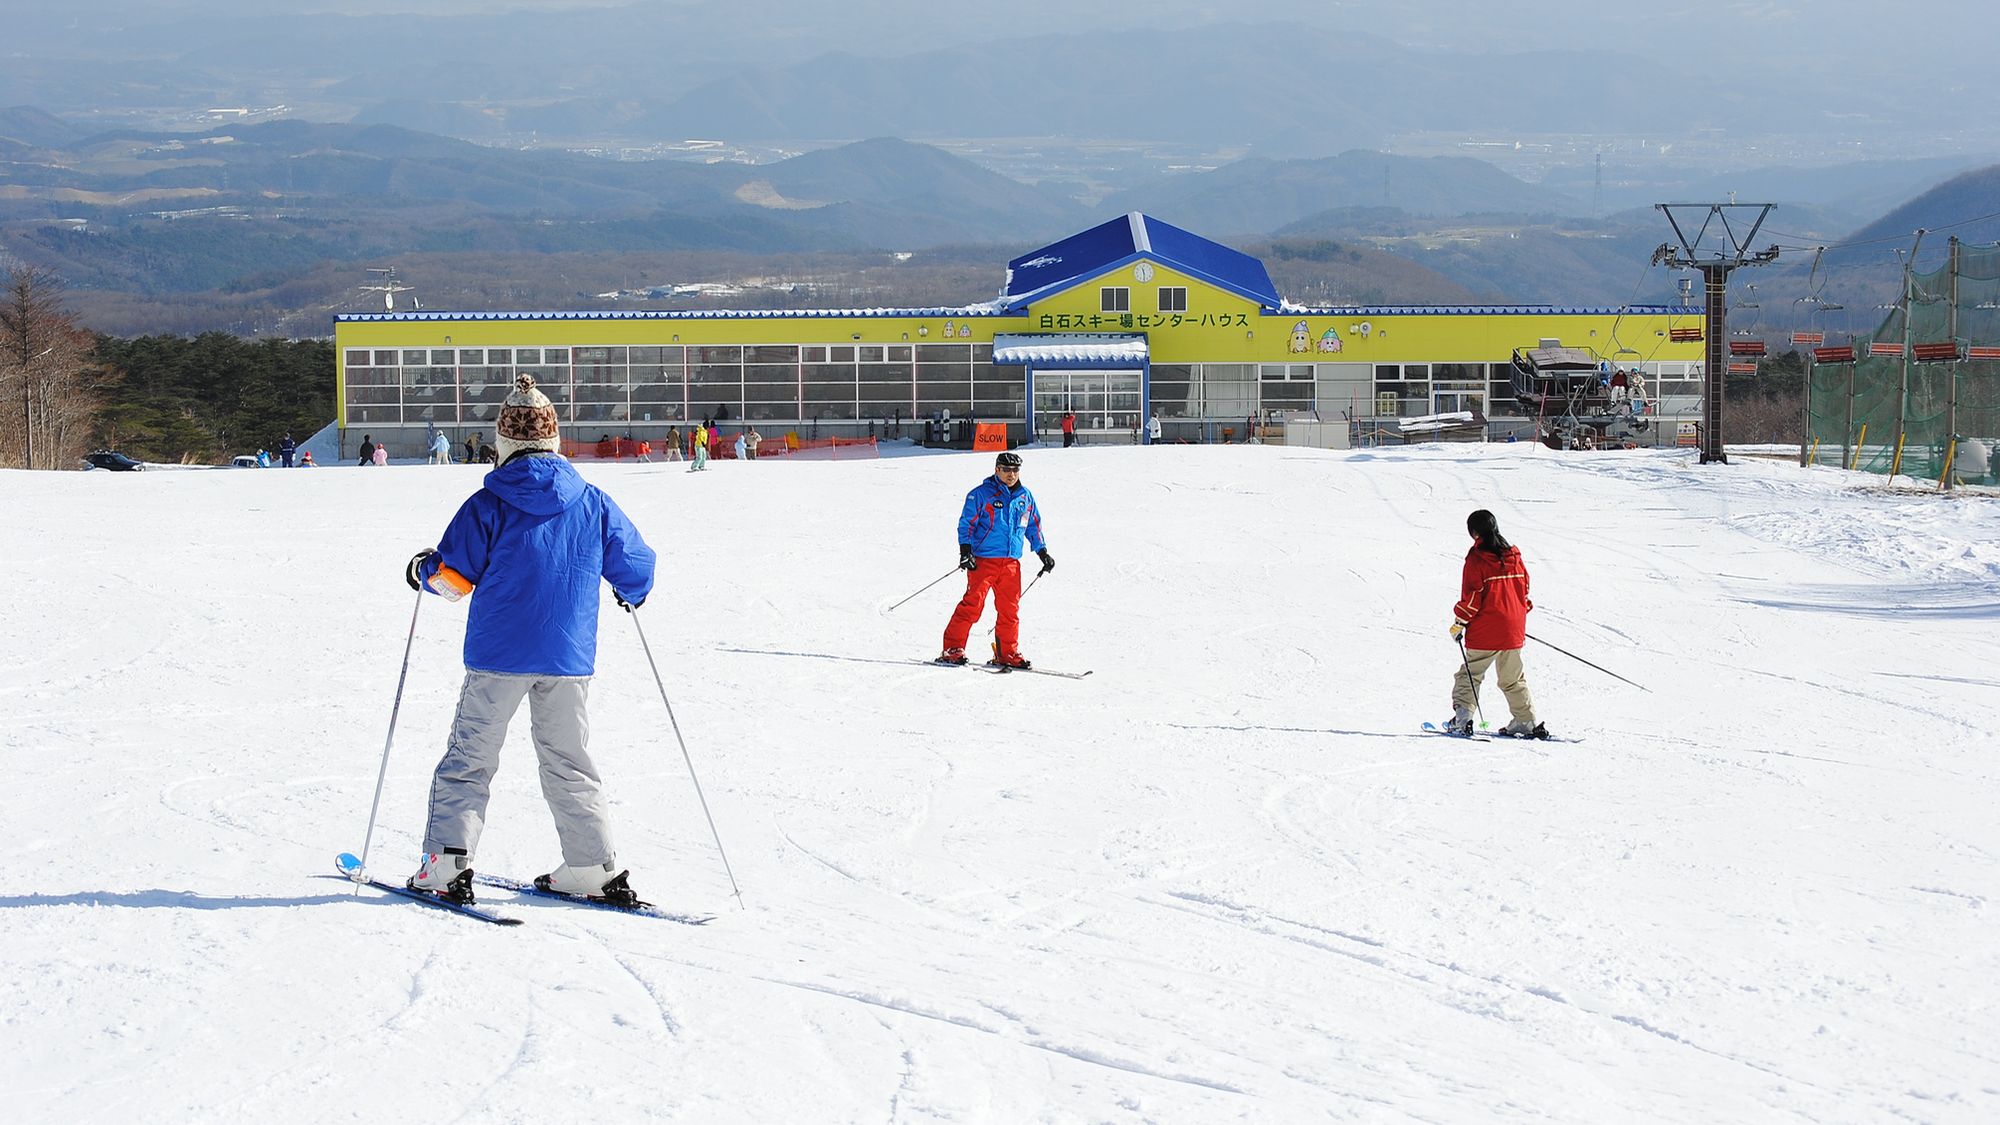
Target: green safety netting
(1898, 406)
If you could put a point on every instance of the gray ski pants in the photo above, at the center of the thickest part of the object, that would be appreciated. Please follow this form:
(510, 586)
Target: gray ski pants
(561, 730)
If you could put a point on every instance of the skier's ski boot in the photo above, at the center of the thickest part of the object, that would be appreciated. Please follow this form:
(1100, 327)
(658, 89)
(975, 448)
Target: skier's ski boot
(446, 874)
(1011, 660)
(951, 656)
(1520, 729)
(1459, 723)
(601, 882)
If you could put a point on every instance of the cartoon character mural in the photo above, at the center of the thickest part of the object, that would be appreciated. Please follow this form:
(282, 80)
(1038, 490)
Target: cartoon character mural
(1301, 338)
(1329, 341)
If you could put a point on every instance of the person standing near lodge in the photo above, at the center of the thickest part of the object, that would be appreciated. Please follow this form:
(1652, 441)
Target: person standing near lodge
(367, 450)
(1153, 429)
(742, 446)
(287, 447)
(1490, 623)
(472, 448)
(700, 442)
(440, 448)
(1069, 428)
(538, 540)
(999, 516)
(753, 439)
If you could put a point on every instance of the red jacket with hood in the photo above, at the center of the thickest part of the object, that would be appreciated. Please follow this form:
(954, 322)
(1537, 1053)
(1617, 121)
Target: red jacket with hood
(1493, 600)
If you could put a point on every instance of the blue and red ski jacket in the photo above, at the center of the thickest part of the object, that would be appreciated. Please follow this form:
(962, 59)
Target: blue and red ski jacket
(997, 520)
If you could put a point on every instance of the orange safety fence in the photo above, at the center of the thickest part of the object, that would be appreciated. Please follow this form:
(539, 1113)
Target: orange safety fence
(723, 448)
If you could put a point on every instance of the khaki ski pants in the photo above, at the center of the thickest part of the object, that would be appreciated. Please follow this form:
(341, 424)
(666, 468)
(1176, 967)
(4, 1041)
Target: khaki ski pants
(1507, 670)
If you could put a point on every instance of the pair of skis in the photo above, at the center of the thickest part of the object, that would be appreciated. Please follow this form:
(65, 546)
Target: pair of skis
(997, 668)
(1481, 736)
(349, 866)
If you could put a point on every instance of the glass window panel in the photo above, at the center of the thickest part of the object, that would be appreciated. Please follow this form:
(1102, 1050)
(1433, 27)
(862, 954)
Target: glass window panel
(1174, 391)
(500, 357)
(485, 384)
(370, 376)
(867, 353)
(527, 357)
(365, 415)
(415, 357)
(771, 373)
(586, 392)
(555, 357)
(713, 355)
(375, 395)
(584, 412)
(600, 373)
(771, 353)
(716, 376)
(844, 354)
(885, 392)
(1114, 299)
(815, 353)
(901, 353)
(657, 412)
(357, 357)
(444, 357)
(831, 411)
(771, 392)
(710, 408)
(385, 358)
(590, 357)
(1229, 390)
(842, 374)
(944, 353)
(430, 378)
(830, 392)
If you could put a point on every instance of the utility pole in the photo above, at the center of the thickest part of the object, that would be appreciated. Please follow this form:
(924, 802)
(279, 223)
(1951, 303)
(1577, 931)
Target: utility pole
(1732, 252)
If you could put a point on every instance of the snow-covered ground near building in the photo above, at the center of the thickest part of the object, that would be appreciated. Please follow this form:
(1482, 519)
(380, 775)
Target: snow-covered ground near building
(1224, 878)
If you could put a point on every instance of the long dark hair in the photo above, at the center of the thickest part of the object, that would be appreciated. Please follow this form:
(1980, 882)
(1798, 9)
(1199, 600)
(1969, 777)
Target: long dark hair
(1482, 524)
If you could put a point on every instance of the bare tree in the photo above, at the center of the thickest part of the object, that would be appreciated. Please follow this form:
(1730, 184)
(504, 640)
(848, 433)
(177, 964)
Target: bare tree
(49, 402)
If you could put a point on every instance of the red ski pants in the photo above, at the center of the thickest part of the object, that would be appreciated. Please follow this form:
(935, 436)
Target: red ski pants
(1003, 577)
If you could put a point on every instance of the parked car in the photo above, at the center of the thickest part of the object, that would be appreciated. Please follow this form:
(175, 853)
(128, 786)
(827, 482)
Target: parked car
(244, 461)
(113, 460)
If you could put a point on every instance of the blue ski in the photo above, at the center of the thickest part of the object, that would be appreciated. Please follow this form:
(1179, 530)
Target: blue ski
(349, 867)
(643, 909)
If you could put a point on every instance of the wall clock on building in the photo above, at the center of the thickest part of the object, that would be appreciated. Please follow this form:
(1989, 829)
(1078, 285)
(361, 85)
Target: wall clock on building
(1142, 272)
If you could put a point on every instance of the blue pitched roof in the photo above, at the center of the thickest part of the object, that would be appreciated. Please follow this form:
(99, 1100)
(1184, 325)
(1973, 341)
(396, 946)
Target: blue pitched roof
(1123, 240)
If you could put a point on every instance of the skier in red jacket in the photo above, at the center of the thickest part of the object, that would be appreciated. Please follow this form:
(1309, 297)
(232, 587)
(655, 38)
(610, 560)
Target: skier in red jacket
(1490, 622)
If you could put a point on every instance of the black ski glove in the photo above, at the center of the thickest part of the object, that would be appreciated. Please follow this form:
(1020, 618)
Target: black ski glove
(625, 605)
(1048, 561)
(411, 572)
(965, 560)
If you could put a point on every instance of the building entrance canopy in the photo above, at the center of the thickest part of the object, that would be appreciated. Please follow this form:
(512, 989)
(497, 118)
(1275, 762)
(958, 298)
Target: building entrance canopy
(1051, 352)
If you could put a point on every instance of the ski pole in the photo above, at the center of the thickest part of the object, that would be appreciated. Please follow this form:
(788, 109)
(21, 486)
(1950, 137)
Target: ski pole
(940, 578)
(1581, 660)
(688, 758)
(994, 631)
(1467, 659)
(360, 874)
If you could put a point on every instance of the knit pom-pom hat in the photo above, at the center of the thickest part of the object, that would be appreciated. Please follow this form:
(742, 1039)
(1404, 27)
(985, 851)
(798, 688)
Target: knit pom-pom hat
(527, 421)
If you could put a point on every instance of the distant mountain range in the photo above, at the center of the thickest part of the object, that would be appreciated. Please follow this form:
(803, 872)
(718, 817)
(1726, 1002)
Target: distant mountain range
(243, 210)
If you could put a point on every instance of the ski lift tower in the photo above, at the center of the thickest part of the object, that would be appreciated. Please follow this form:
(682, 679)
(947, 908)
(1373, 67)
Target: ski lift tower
(387, 286)
(1728, 252)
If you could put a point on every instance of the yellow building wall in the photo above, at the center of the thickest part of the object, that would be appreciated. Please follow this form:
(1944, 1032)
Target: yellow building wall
(1218, 326)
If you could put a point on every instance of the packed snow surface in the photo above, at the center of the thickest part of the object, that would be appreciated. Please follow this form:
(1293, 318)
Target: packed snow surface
(1224, 878)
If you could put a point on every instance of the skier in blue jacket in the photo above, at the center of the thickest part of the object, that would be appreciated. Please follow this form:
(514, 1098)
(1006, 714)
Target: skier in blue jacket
(535, 539)
(998, 518)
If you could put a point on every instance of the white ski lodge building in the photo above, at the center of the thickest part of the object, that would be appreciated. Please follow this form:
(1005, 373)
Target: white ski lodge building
(1120, 322)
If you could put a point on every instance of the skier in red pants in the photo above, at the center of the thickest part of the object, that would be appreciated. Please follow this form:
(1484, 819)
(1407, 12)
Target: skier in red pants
(999, 517)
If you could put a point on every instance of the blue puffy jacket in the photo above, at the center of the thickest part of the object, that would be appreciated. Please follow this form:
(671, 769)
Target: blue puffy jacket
(534, 542)
(997, 519)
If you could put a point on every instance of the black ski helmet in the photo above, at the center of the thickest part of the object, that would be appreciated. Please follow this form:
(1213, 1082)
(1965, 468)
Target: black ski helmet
(1009, 460)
